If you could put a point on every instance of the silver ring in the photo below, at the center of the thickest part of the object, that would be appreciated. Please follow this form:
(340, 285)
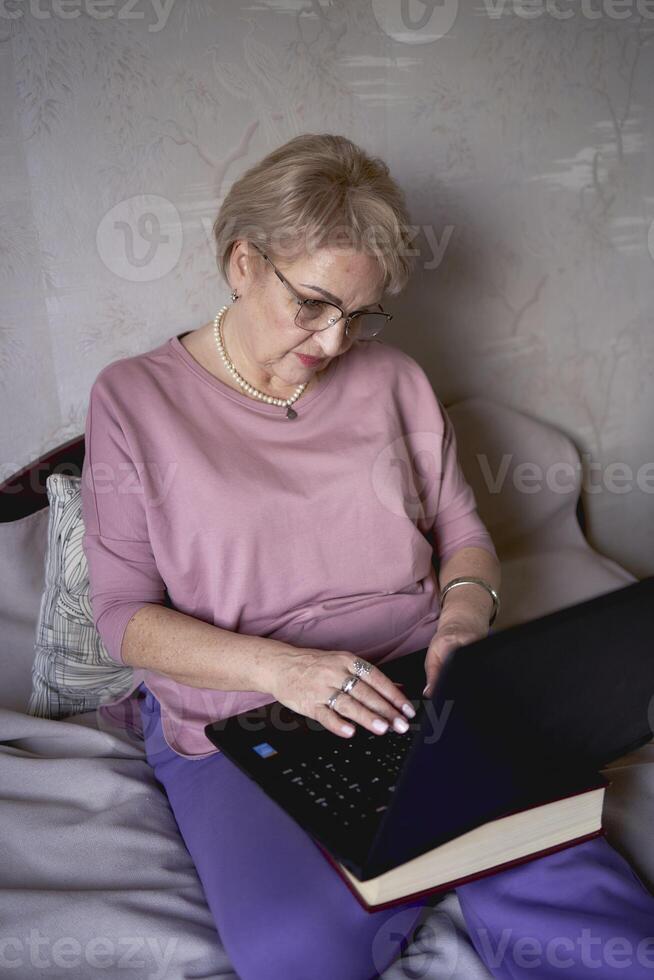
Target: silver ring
(331, 699)
(346, 687)
(348, 684)
(360, 667)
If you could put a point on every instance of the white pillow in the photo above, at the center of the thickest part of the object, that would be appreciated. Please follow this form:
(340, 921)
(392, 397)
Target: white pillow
(22, 564)
(72, 671)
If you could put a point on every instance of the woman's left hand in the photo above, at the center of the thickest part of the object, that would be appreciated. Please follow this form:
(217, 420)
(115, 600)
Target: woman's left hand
(451, 633)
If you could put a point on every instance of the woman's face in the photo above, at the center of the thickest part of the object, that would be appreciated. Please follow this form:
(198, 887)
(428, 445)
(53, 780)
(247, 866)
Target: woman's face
(263, 341)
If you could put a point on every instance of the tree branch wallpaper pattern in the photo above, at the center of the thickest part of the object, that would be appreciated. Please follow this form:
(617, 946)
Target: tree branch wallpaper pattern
(520, 132)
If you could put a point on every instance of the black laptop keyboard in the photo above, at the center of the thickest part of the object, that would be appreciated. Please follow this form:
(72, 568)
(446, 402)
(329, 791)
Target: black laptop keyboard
(325, 781)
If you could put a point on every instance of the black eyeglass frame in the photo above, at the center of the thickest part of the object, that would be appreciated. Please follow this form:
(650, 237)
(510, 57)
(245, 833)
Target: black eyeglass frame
(310, 299)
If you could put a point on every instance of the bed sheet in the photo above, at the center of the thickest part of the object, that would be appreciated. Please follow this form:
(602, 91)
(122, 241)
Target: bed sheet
(95, 879)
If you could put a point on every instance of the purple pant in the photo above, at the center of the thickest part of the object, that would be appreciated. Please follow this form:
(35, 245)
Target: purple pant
(283, 913)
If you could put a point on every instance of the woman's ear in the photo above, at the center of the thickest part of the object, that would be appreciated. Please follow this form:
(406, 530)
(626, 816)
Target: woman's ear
(243, 269)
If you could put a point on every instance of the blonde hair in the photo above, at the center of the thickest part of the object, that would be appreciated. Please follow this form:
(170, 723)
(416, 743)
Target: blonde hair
(311, 191)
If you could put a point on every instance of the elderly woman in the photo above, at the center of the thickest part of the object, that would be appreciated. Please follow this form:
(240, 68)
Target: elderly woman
(255, 531)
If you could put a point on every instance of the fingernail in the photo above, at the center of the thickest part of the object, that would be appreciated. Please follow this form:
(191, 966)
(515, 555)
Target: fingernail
(408, 710)
(400, 725)
(347, 729)
(427, 691)
(379, 726)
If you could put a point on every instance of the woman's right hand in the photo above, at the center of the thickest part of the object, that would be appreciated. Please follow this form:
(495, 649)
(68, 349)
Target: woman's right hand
(305, 677)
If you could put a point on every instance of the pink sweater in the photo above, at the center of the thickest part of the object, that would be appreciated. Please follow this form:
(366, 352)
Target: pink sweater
(318, 531)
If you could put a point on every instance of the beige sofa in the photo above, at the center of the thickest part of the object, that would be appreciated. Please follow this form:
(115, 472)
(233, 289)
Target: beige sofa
(527, 478)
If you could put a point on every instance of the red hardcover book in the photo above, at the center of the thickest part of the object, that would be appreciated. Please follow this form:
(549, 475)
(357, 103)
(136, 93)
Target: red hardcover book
(512, 839)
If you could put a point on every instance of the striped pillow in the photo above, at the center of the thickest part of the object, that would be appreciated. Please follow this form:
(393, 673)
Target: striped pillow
(72, 671)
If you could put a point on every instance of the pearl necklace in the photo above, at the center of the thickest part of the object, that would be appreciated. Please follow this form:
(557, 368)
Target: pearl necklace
(250, 389)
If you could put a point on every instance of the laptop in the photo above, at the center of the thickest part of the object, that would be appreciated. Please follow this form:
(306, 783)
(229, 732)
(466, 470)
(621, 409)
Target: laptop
(518, 718)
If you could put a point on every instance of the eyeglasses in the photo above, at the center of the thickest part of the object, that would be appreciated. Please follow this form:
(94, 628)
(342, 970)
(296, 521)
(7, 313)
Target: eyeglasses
(359, 325)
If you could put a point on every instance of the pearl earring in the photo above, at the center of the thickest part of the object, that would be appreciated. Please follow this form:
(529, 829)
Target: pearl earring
(234, 295)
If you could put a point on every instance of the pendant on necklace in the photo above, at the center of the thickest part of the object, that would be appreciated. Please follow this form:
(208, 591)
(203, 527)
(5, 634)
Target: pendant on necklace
(291, 413)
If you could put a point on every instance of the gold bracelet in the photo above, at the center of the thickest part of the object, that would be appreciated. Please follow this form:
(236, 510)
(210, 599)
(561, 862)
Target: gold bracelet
(474, 581)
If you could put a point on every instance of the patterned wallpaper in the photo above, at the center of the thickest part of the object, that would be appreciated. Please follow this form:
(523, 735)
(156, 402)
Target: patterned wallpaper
(521, 131)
